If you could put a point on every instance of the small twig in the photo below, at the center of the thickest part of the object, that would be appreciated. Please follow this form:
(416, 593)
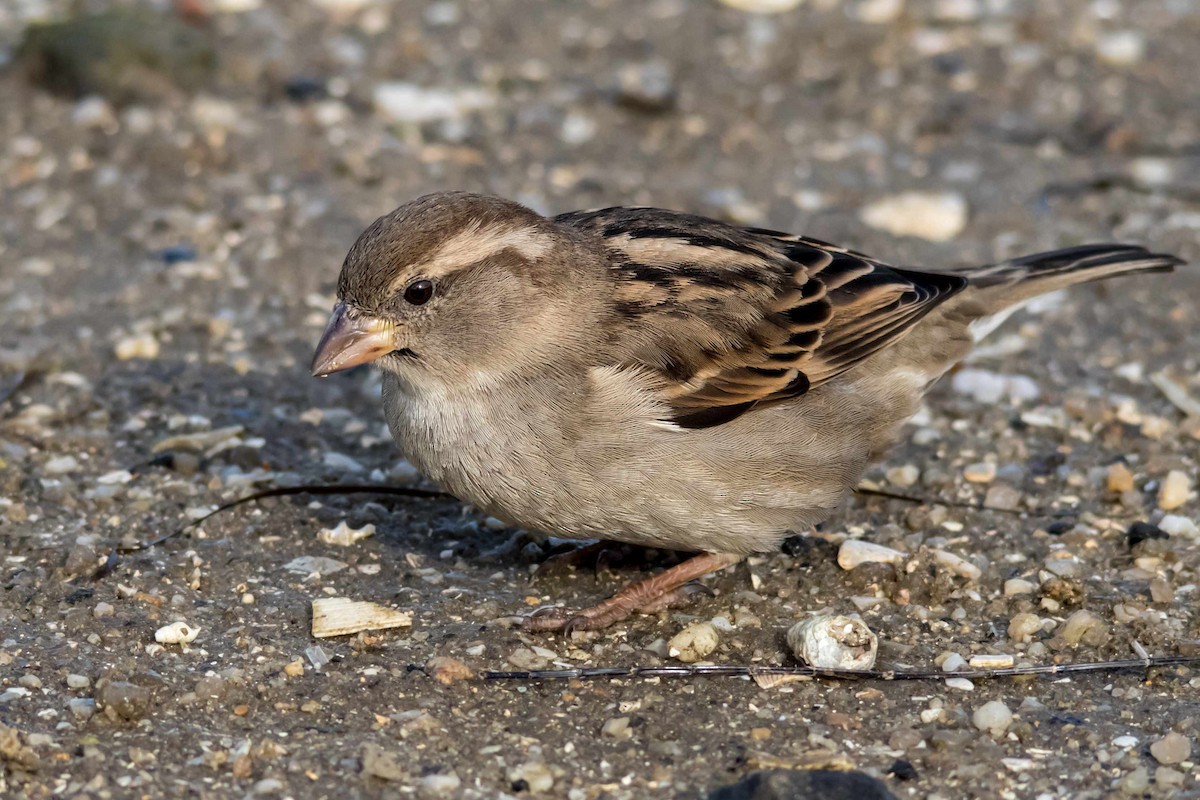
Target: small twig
(864, 489)
(729, 670)
(287, 491)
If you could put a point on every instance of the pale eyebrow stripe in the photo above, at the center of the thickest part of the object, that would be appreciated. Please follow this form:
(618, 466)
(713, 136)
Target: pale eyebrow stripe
(474, 244)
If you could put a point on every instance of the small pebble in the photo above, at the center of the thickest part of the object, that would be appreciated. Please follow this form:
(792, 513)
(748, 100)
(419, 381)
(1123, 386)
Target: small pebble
(447, 671)
(616, 728)
(961, 684)
(1015, 586)
(75, 681)
(121, 700)
(1125, 741)
(535, 774)
(1002, 498)
(904, 476)
(1083, 626)
(953, 663)
(61, 465)
(1136, 782)
(991, 661)
(141, 345)
(82, 708)
(694, 643)
(937, 217)
(957, 565)
(1176, 525)
(992, 717)
(439, 785)
(1022, 627)
(1174, 491)
(1121, 48)
(1119, 479)
(103, 610)
(982, 472)
(854, 552)
(648, 86)
(1171, 749)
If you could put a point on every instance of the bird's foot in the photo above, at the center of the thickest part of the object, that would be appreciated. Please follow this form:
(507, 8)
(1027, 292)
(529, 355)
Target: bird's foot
(650, 595)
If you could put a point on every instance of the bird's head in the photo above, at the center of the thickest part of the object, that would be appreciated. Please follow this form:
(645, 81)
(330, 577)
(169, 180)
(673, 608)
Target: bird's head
(456, 286)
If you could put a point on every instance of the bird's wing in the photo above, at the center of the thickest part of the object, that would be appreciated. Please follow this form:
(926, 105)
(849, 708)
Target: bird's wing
(732, 318)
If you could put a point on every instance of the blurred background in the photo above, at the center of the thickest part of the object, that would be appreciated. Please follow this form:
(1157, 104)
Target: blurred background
(179, 182)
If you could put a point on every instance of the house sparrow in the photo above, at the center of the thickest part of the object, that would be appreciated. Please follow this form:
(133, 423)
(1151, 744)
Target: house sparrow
(654, 377)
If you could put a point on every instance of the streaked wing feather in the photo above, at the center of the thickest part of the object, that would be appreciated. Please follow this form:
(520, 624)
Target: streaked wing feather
(733, 318)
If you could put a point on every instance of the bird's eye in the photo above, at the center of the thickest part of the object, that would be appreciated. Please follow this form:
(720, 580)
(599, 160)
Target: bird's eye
(419, 292)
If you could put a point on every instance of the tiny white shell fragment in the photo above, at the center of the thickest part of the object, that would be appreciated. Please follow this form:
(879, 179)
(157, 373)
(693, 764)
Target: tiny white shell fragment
(176, 633)
(991, 661)
(343, 535)
(854, 552)
(694, 643)
(833, 642)
(338, 616)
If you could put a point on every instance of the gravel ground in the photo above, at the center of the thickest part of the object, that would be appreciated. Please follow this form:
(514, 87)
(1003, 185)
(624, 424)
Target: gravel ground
(167, 257)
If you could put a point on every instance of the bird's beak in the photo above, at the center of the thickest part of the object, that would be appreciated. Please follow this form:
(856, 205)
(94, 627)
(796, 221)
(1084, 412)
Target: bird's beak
(350, 340)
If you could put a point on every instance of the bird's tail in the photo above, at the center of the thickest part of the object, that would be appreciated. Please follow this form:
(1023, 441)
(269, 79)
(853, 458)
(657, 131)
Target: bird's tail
(1010, 283)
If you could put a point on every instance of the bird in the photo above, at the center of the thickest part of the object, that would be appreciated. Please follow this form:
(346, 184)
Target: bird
(654, 377)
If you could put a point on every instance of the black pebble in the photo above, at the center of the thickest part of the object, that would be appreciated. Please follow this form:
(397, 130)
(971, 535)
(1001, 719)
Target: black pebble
(1141, 531)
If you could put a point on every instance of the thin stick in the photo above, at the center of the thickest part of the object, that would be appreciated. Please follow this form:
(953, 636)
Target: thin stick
(287, 491)
(730, 670)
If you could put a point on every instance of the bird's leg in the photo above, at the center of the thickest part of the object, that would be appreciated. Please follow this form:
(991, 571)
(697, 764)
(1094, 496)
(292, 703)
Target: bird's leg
(650, 594)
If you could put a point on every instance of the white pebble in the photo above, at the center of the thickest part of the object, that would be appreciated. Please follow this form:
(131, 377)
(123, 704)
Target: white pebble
(176, 633)
(988, 387)
(833, 642)
(141, 345)
(94, 112)
(1176, 525)
(991, 661)
(61, 465)
(962, 684)
(399, 101)
(694, 643)
(855, 552)
(1121, 48)
(983, 472)
(1125, 741)
(953, 663)
(992, 717)
(879, 12)
(903, 476)
(1014, 586)
(957, 564)
(1174, 491)
(936, 216)
(763, 6)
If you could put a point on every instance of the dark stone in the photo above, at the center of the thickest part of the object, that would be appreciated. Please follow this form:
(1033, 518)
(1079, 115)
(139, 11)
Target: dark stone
(903, 770)
(126, 55)
(1142, 531)
(178, 254)
(304, 89)
(818, 784)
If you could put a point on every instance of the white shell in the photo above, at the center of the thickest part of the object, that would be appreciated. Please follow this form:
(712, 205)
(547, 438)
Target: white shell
(343, 535)
(338, 616)
(833, 642)
(176, 633)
